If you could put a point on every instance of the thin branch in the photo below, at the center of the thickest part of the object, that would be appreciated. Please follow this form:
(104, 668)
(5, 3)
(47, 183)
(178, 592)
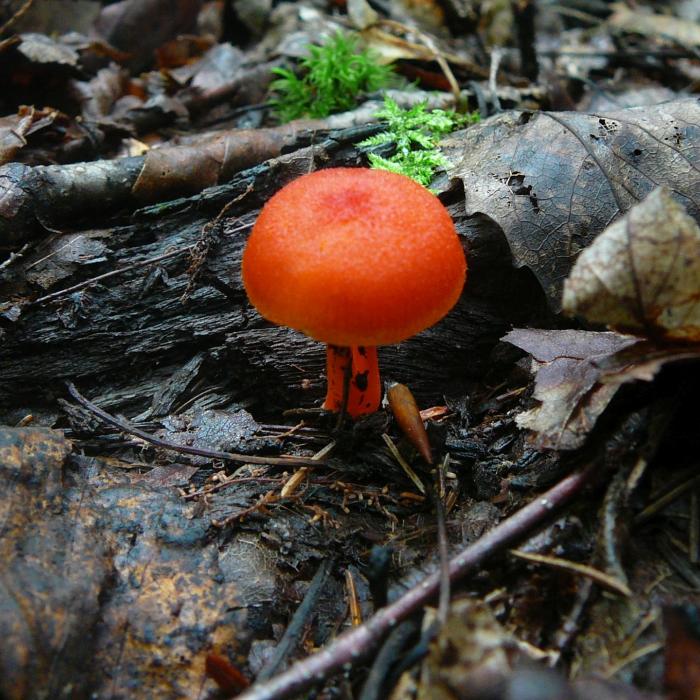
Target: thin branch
(125, 427)
(356, 643)
(600, 577)
(439, 494)
(301, 618)
(16, 17)
(14, 256)
(112, 273)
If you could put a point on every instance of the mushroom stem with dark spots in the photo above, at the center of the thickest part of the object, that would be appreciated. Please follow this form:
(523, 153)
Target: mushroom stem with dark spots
(353, 380)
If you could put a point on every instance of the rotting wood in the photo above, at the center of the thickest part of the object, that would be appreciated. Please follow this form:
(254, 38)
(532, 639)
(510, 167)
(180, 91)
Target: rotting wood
(123, 336)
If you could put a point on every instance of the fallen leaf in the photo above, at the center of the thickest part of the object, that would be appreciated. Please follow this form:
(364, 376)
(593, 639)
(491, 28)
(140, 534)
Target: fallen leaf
(472, 653)
(554, 180)
(663, 27)
(642, 274)
(567, 382)
(39, 48)
(180, 170)
(13, 130)
(59, 259)
(122, 25)
(577, 373)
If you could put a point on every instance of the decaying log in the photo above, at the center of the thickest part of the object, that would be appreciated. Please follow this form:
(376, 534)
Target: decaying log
(128, 338)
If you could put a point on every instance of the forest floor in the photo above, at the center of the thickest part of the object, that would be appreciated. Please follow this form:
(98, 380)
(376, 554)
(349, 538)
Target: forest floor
(181, 519)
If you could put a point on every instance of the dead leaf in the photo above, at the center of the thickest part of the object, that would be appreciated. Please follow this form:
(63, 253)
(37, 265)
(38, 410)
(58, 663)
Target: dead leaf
(212, 429)
(642, 274)
(174, 170)
(169, 476)
(13, 130)
(54, 17)
(122, 25)
(39, 48)
(62, 256)
(100, 94)
(553, 181)
(663, 27)
(567, 382)
(577, 373)
(471, 653)
(390, 47)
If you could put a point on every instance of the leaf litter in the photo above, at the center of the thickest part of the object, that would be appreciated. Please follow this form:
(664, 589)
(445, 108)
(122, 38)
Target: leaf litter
(174, 603)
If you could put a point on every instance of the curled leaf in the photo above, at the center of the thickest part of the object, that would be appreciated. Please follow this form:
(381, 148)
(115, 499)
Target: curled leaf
(642, 274)
(568, 387)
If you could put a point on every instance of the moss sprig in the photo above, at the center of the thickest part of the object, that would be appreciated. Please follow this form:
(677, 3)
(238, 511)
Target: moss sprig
(416, 134)
(332, 78)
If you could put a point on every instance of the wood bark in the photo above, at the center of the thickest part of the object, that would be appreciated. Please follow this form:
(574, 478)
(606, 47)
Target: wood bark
(130, 343)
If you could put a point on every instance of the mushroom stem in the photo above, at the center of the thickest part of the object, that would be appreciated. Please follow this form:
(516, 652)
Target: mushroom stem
(353, 380)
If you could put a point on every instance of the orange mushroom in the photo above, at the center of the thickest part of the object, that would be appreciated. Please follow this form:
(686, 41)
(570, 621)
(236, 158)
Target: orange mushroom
(355, 258)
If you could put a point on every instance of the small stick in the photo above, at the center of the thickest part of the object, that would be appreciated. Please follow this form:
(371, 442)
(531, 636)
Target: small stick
(439, 493)
(300, 619)
(111, 273)
(353, 601)
(16, 17)
(14, 256)
(356, 643)
(125, 427)
(600, 577)
(403, 463)
(660, 503)
(391, 651)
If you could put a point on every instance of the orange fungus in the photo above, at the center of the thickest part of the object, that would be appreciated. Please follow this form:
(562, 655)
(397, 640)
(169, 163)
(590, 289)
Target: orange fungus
(354, 257)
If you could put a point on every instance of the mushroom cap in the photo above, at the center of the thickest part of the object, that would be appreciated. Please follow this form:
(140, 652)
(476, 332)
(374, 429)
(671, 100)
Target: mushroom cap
(351, 256)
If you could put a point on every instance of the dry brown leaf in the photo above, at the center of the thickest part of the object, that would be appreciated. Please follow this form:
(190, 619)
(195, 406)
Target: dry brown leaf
(390, 47)
(567, 365)
(664, 27)
(642, 274)
(181, 170)
(13, 130)
(577, 373)
(554, 180)
(472, 652)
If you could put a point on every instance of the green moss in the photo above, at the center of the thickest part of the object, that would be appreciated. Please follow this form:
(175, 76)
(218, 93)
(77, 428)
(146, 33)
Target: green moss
(415, 134)
(332, 79)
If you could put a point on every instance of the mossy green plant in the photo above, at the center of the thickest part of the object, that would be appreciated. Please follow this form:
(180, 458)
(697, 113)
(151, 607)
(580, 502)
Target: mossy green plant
(332, 78)
(415, 133)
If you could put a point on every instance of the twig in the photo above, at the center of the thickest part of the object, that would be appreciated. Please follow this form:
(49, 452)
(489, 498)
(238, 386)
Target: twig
(16, 17)
(651, 648)
(439, 493)
(299, 620)
(600, 577)
(125, 427)
(569, 629)
(496, 56)
(14, 256)
(403, 463)
(260, 505)
(660, 503)
(390, 652)
(354, 607)
(358, 642)
(111, 273)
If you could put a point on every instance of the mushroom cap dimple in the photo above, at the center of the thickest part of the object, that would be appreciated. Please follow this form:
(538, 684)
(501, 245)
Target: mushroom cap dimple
(351, 256)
